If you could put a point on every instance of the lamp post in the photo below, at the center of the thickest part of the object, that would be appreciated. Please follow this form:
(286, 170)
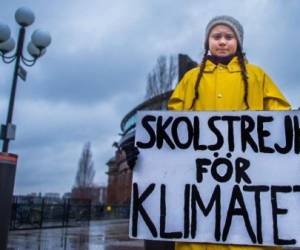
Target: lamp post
(8, 162)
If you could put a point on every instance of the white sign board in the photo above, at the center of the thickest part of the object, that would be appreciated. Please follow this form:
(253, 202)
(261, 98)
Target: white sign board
(219, 177)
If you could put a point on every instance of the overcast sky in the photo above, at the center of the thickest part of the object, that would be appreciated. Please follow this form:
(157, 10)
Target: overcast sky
(94, 72)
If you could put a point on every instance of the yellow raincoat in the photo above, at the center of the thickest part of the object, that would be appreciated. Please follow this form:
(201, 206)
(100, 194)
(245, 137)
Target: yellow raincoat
(222, 88)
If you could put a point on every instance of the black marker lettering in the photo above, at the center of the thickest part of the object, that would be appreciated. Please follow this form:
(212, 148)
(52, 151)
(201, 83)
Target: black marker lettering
(296, 188)
(216, 131)
(241, 165)
(257, 190)
(247, 126)
(230, 120)
(262, 133)
(152, 138)
(226, 164)
(237, 197)
(200, 169)
(297, 135)
(138, 207)
(197, 145)
(288, 124)
(189, 132)
(187, 191)
(163, 215)
(276, 211)
(215, 199)
(161, 133)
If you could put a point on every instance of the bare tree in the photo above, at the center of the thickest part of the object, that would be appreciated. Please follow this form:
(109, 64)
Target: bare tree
(161, 78)
(85, 173)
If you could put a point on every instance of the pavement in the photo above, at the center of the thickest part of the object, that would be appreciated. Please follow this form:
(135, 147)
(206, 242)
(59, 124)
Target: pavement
(99, 235)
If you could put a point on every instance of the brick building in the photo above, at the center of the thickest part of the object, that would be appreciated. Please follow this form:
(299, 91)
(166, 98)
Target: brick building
(119, 181)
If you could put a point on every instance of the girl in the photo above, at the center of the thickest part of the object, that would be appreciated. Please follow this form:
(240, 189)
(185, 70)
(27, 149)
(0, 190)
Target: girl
(225, 81)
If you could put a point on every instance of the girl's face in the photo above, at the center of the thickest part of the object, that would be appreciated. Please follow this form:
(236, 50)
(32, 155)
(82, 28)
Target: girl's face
(222, 41)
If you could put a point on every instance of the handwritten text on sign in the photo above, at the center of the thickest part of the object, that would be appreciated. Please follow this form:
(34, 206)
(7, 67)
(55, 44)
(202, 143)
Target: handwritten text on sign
(229, 177)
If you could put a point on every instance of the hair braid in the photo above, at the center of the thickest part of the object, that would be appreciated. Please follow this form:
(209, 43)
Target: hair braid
(241, 60)
(197, 83)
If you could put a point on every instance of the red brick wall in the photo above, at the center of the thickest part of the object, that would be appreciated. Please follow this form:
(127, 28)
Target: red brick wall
(119, 180)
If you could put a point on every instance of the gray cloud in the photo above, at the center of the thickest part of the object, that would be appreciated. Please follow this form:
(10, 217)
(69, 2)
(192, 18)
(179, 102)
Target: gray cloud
(95, 69)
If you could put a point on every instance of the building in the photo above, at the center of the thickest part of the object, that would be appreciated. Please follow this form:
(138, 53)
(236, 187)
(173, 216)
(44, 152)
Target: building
(119, 181)
(119, 174)
(94, 193)
(52, 197)
(67, 195)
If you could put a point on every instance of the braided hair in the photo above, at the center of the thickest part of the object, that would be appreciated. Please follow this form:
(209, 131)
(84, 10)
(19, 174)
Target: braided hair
(200, 74)
(241, 60)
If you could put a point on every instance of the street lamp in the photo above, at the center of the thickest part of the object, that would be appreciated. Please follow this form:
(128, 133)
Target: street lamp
(36, 48)
(40, 40)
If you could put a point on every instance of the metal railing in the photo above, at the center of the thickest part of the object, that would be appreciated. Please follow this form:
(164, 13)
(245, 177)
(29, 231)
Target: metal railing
(34, 213)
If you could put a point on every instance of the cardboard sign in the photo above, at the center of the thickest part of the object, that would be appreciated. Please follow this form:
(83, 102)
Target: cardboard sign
(218, 177)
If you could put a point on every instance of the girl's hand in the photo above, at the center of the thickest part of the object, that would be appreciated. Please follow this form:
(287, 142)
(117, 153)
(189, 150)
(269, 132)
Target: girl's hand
(131, 152)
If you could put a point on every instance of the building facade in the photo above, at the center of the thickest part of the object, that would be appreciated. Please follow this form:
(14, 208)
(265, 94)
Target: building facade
(119, 174)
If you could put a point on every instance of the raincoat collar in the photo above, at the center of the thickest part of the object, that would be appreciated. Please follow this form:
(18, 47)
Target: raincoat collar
(233, 65)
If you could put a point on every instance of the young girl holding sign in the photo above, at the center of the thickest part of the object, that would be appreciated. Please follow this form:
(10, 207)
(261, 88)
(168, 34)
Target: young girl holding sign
(225, 81)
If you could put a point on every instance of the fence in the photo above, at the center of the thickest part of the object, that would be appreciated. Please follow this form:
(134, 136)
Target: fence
(34, 212)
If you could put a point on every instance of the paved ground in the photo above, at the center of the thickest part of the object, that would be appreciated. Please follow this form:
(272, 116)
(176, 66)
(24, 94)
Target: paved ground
(100, 235)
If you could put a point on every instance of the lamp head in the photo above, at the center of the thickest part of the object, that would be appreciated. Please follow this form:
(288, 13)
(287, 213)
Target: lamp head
(4, 32)
(7, 46)
(24, 16)
(41, 39)
(34, 51)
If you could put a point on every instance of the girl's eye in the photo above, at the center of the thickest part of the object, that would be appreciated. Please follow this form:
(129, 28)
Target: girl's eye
(229, 36)
(216, 36)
